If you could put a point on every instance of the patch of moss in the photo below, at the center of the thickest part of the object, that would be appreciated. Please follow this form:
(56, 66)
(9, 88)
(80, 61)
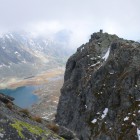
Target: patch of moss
(1, 129)
(20, 126)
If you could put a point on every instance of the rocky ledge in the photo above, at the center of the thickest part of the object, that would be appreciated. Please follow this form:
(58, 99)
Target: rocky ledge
(100, 98)
(19, 124)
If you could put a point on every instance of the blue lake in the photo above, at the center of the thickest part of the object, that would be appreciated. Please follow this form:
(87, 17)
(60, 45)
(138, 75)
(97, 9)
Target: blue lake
(24, 96)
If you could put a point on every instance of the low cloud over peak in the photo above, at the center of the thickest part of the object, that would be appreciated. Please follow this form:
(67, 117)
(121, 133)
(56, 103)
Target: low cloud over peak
(73, 20)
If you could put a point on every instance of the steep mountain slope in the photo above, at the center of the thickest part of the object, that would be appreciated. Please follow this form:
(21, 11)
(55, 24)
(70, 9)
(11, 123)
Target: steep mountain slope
(100, 98)
(19, 124)
(21, 54)
(14, 124)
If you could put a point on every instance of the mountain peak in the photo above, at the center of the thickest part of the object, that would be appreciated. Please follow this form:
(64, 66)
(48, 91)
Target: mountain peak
(100, 97)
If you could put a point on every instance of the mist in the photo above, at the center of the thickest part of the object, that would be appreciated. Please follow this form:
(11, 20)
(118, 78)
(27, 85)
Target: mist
(71, 21)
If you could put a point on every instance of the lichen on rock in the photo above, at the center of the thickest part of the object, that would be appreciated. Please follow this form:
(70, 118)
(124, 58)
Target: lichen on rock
(14, 125)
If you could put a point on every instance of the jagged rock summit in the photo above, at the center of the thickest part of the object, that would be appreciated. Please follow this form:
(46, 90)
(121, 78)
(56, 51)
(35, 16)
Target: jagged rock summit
(100, 98)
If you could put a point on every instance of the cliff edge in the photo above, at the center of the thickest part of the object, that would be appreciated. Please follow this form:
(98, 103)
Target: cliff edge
(18, 124)
(100, 98)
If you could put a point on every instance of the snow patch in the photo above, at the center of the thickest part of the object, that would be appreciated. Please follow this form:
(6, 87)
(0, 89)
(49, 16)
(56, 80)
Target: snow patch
(24, 61)
(1, 135)
(2, 65)
(94, 121)
(17, 53)
(7, 36)
(111, 72)
(11, 36)
(45, 117)
(82, 49)
(126, 118)
(104, 113)
(95, 64)
(92, 58)
(105, 57)
(133, 124)
(138, 133)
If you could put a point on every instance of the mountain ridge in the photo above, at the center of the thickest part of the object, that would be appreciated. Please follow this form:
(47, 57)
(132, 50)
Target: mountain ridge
(100, 96)
(23, 55)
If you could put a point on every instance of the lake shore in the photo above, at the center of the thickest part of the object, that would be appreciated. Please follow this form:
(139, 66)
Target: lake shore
(48, 98)
(49, 84)
(39, 79)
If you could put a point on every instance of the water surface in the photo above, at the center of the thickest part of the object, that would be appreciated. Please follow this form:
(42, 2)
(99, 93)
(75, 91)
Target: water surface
(24, 96)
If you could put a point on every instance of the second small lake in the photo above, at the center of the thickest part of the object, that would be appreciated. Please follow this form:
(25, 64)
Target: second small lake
(24, 96)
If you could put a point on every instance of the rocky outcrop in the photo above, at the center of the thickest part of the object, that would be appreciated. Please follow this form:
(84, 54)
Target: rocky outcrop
(100, 98)
(6, 99)
(19, 124)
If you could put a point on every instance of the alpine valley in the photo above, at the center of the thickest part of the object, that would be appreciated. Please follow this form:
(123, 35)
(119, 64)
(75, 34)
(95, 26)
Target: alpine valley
(100, 94)
(23, 55)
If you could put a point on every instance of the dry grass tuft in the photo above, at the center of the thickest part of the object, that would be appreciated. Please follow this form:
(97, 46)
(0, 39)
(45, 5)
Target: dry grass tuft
(9, 105)
(53, 127)
(25, 111)
(37, 119)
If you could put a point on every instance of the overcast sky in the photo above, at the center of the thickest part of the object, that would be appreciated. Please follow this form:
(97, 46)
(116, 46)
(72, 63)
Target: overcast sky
(72, 20)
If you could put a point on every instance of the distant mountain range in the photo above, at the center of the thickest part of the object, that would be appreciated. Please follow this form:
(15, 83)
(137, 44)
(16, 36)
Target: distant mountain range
(22, 54)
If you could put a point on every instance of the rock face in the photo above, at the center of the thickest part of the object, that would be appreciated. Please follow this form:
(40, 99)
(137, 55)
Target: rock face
(100, 98)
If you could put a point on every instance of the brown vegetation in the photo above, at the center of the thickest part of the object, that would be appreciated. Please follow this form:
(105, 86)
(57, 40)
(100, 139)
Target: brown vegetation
(53, 127)
(37, 119)
(9, 105)
(25, 111)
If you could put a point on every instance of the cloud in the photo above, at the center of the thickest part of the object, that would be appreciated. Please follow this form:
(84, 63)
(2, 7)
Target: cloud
(69, 32)
(44, 27)
(75, 20)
